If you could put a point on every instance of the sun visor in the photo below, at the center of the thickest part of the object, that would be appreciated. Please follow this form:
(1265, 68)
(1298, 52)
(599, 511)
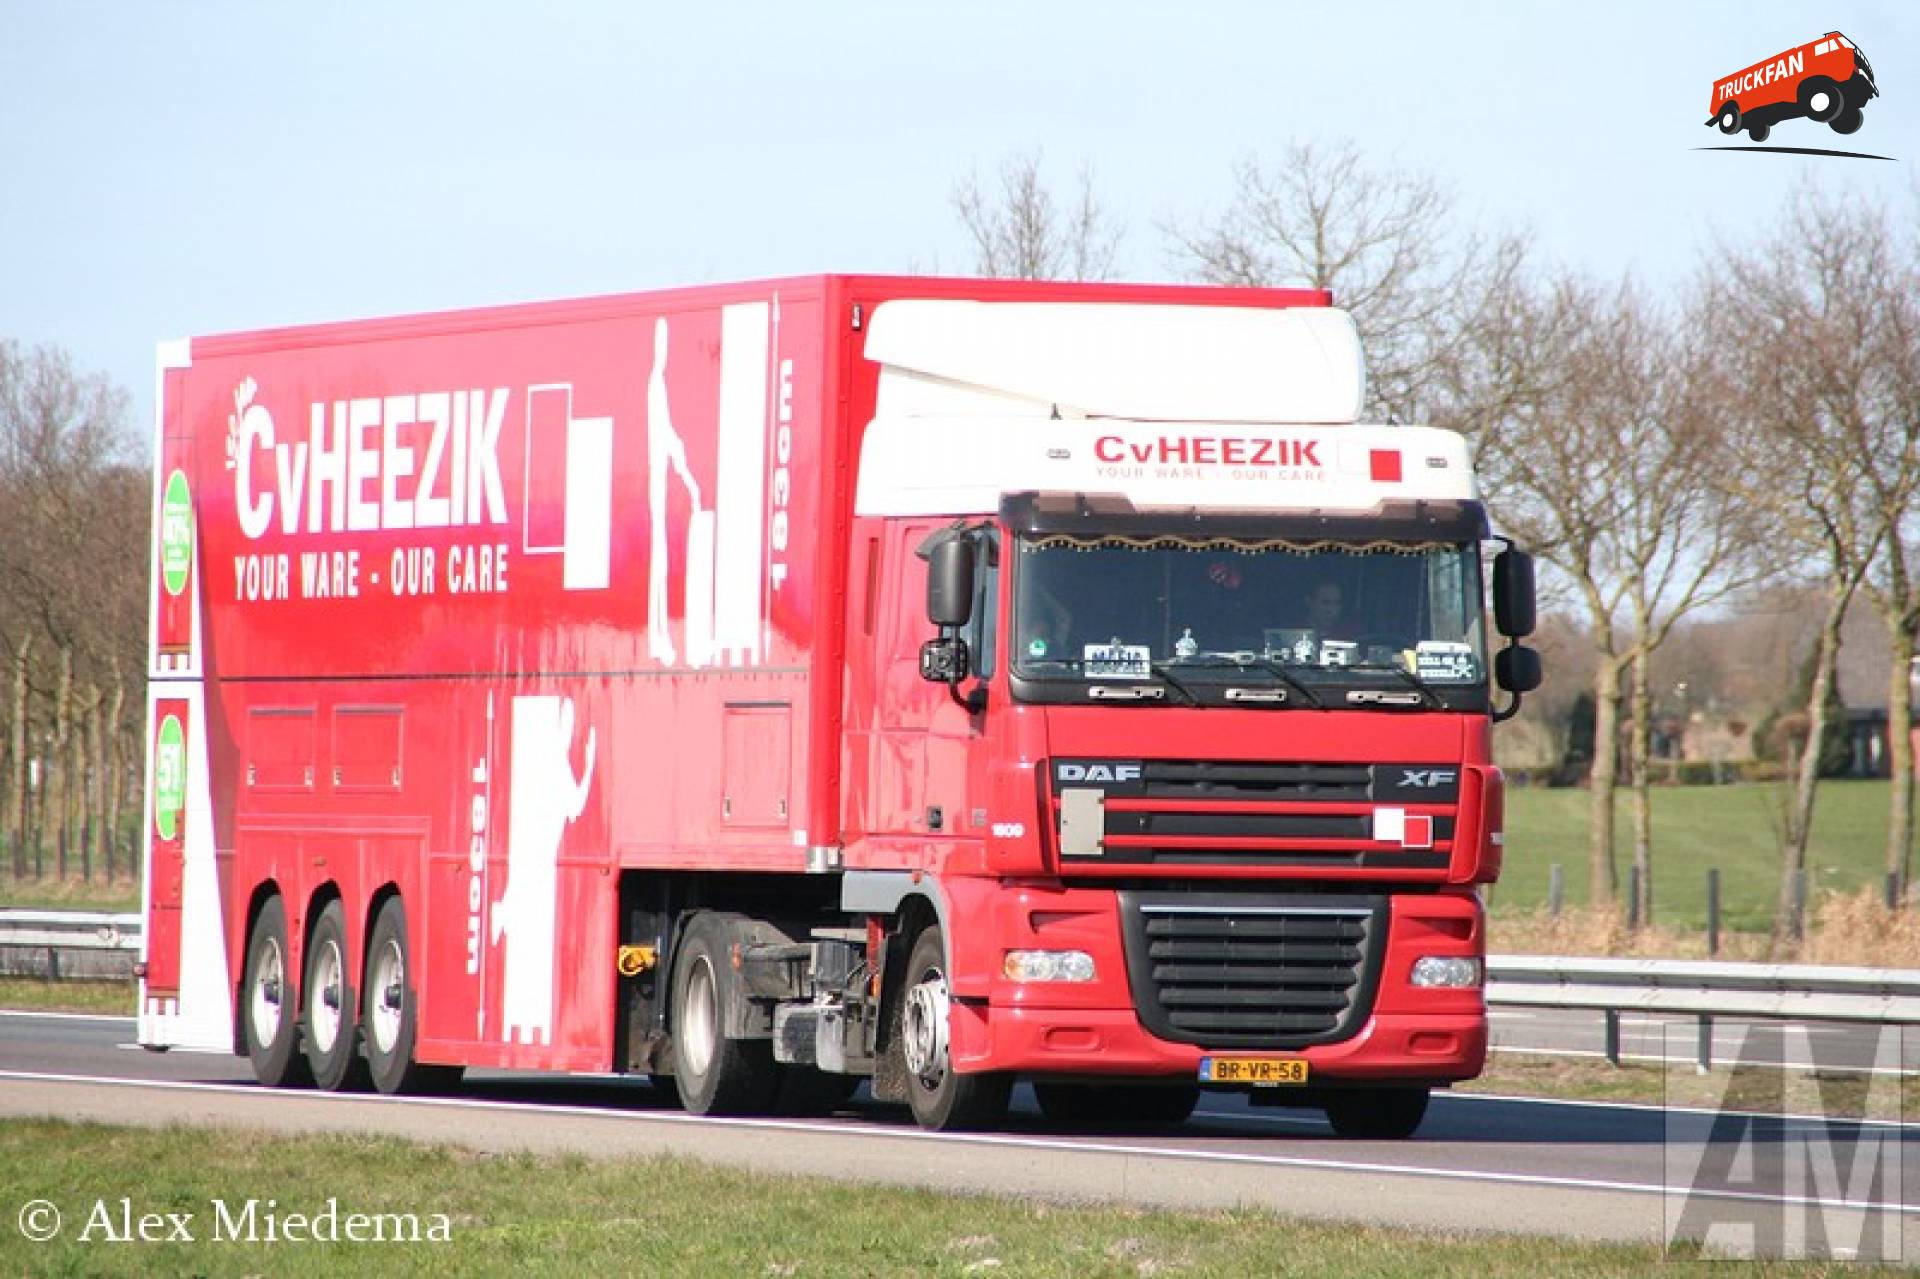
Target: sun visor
(1144, 362)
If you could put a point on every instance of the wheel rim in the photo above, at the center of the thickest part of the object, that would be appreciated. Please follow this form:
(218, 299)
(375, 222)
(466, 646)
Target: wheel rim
(1818, 103)
(323, 1014)
(269, 981)
(923, 1028)
(699, 1019)
(387, 981)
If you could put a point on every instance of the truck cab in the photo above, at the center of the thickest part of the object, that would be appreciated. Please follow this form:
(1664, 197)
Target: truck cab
(1180, 691)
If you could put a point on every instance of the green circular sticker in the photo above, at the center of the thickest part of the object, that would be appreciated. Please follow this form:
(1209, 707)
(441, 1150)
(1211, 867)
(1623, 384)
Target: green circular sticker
(169, 778)
(176, 533)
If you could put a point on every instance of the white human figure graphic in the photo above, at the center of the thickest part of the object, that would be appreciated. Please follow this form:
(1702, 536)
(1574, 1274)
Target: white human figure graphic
(544, 796)
(665, 449)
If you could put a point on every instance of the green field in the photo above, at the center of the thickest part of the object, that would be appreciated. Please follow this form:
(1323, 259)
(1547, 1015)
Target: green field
(518, 1214)
(1734, 828)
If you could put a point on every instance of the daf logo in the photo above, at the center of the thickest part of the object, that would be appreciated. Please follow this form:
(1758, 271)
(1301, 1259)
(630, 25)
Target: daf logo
(1427, 778)
(1098, 772)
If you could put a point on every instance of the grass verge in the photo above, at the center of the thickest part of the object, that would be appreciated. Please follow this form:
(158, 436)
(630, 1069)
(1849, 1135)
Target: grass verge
(111, 998)
(71, 893)
(526, 1214)
(1765, 1088)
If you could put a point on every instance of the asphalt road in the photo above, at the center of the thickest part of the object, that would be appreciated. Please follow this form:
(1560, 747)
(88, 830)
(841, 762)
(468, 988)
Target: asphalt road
(1478, 1163)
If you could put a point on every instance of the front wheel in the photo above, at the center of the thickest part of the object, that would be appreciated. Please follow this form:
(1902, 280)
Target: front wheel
(1820, 98)
(268, 1006)
(1379, 1114)
(941, 1097)
(391, 1011)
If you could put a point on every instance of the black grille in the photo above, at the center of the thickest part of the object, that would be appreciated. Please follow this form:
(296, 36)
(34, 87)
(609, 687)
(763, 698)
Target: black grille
(1245, 971)
(1168, 779)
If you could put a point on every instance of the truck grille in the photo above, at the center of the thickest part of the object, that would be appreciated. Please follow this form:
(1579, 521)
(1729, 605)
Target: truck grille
(1252, 971)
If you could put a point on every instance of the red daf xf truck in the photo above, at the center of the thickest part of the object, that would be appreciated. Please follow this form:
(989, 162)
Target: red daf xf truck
(773, 686)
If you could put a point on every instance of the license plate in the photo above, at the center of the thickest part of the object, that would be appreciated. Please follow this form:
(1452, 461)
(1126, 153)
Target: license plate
(1262, 1071)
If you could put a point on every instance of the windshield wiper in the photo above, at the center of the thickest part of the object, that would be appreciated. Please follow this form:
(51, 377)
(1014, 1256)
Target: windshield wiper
(1174, 681)
(1245, 661)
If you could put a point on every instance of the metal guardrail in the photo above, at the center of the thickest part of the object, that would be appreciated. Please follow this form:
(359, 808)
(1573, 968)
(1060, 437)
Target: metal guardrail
(1704, 990)
(72, 944)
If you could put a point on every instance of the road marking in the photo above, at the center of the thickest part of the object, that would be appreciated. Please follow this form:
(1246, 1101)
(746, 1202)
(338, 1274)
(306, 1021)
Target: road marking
(991, 1140)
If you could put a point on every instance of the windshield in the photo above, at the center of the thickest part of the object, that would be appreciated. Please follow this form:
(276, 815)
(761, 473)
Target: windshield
(1205, 613)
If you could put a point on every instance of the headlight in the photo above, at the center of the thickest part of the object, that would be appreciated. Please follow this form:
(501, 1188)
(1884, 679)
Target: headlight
(1048, 965)
(1447, 972)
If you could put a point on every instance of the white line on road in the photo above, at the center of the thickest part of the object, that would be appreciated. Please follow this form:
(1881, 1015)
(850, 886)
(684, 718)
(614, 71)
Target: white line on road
(28, 1012)
(1008, 1142)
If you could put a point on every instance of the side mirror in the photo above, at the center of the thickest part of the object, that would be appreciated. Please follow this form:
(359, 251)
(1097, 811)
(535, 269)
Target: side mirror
(1513, 607)
(1517, 669)
(950, 585)
(944, 660)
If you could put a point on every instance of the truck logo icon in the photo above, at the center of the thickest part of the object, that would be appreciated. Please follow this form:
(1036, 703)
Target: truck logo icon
(1828, 80)
(1098, 772)
(1427, 778)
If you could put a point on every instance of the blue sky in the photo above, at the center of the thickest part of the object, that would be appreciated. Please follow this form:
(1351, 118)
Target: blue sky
(188, 168)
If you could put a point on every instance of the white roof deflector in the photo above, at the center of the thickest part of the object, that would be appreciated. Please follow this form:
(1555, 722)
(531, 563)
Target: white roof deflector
(1141, 361)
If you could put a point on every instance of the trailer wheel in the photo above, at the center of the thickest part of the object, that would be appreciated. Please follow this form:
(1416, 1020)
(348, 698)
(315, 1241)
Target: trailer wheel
(1381, 1114)
(1729, 118)
(390, 1012)
(328, 1023)
(941, 1097)
(268, 1008)
(1848, 121)
(713, 1074)
(1066, 1103)
(1820, 98)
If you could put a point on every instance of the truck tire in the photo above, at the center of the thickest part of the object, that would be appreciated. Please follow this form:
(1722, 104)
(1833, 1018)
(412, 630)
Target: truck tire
(1758, 131)
(1066, 1103)
(713, 1074)
(942, 1099)
(1820, 98)
(269, 1007)
(1729, 119)
(329, 1021)
(1379, 1114)
(390, 1011)
(1848, 121)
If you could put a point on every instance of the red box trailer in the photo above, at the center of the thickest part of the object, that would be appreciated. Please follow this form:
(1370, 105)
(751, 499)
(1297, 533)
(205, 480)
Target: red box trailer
(778, 685)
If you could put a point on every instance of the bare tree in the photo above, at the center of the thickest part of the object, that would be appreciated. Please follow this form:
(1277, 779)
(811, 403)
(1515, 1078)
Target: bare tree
(1386, 242)
(1022, 231)
(1820, 371)
(72, 586)
(1582, 405)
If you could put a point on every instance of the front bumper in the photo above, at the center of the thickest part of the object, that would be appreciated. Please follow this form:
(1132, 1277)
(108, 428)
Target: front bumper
(1093, 1028)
